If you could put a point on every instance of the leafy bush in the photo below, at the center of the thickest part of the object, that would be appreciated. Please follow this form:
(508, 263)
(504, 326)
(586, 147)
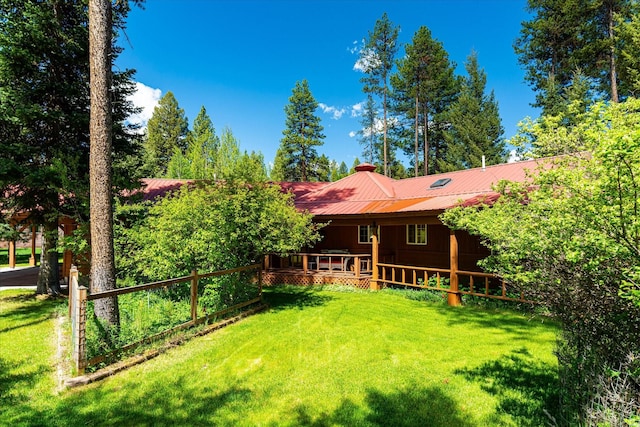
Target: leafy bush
(577, 246)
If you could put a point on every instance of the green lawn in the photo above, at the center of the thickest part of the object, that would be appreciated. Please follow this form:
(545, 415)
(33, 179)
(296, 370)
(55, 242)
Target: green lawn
(317, 357)
(22, 256)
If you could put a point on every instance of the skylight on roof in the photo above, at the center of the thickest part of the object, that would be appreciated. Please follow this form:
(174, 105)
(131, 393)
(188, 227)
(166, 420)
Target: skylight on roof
(440, 183)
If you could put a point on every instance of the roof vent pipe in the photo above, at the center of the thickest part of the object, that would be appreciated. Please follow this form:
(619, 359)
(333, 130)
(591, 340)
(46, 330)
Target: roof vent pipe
(484, 167)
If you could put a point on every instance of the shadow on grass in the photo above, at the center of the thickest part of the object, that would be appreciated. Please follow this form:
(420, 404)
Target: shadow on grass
(294, 297)
(26, 307)
(414, 406)
(524, 386)
(517, 324)
(180, 403)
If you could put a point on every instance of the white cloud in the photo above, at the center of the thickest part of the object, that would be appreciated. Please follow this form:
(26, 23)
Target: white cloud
(355, 47)
(146, 98)
(367, 58)
(335, 111)
(513, 157)
(356, 109)
(353, 134)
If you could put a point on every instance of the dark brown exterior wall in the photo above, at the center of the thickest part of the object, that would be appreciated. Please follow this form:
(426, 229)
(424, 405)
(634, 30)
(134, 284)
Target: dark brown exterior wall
(394, 248)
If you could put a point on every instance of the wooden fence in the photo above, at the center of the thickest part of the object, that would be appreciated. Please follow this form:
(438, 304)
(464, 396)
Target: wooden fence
(456, 283)
(79, 296)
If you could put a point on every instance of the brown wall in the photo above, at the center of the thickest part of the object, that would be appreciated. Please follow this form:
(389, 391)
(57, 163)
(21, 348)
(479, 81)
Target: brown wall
(394, 249)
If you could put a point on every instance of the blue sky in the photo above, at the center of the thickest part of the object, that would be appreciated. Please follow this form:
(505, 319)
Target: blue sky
(242, 58)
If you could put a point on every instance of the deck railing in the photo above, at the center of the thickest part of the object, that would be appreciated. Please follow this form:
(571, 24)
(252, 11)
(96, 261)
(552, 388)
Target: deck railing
(344, 263)
(472, 283)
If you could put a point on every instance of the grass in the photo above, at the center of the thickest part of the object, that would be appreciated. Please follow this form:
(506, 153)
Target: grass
(318, 358)
(22, 256)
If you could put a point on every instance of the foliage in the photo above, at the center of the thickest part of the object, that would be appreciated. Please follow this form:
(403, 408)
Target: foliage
(475, 126)
(166, 131)
(570, 238)
(297, 158)
(202, 147)
(44, 115)
(214, 226)
(424, 87)
(376, 62)
(592, 36)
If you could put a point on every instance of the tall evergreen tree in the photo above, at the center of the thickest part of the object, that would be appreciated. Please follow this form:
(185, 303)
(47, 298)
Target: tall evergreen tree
(377, 61)
(303, 133)
(369, 135)
(202, 147)
(166, 130)
(475, 126)
(423, 88)
(569, 35)
(44, 116)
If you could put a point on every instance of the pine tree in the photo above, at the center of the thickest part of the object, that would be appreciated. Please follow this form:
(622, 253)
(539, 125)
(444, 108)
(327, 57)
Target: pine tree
(369, 135)
(565, 36)
(303, 133)
(423, 89)
(202, 147)
(166, 130)
(44, 116)
(377, 61)
(476, 129)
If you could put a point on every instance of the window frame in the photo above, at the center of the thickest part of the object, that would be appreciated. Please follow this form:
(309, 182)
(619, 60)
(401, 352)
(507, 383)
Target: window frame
(416, 234)
(369, 229)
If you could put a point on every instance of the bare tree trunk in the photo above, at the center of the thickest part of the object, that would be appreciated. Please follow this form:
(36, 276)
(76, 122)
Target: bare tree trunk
(612, 57)
(426, 143)
(102, 254)
(417, 137)
(49, 274)
(384, 126)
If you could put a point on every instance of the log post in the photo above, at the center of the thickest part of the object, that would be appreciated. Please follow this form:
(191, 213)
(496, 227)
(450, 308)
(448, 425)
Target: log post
(12, 253)
(375, 285)
(305, 263)
(453, 296)
(194, 296)
(32, 258)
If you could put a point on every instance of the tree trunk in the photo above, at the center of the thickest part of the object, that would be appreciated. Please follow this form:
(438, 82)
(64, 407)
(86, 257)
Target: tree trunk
(612, 57)
(102, 254)
(417, 137)
(384, 126)
(426, 143)
(49, 274)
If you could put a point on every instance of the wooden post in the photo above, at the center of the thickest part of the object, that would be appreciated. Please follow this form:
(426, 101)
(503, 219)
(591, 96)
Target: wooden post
(12, 253)
(79, 335)
(32, 259)
(453, 297)
(73, 285)
(194, 296)
(374, 285)
(356, 266)
(267, 262)
(305, 263)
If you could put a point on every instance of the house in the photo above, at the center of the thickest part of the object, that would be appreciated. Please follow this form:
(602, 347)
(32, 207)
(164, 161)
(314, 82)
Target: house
(402, 213)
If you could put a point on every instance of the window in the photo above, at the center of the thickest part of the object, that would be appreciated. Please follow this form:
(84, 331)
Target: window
(365, 232)
(440, 183)
(417, 234)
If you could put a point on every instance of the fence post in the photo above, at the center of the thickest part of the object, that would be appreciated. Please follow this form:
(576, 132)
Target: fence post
(73, 288)
(194, 296)
(453, 296)
(374, 286)
(305, 263)
(79, 331)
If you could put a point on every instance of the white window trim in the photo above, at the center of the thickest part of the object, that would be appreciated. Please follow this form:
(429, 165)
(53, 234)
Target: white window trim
(416, 243)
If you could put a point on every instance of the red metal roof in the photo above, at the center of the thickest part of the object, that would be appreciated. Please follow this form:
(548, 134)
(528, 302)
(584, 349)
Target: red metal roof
(159, 187)
(367, 192)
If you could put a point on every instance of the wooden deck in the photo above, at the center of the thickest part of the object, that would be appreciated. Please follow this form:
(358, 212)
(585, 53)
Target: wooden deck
(294, 276)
